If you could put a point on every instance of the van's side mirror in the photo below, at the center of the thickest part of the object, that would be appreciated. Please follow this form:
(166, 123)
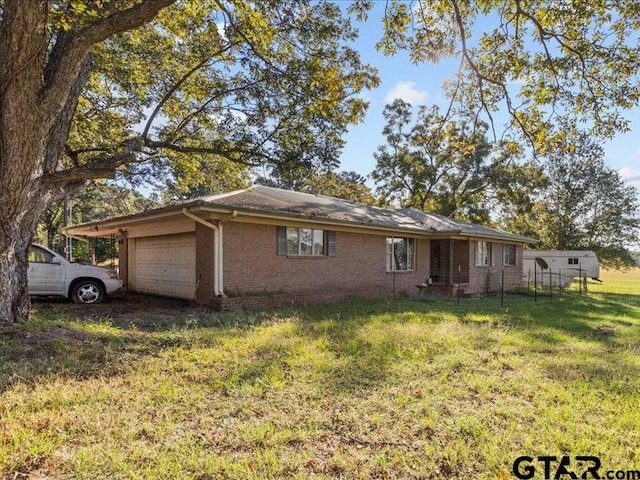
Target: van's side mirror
(56, 261)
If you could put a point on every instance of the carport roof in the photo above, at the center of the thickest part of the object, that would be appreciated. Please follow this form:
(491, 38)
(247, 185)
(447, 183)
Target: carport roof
(274, 202)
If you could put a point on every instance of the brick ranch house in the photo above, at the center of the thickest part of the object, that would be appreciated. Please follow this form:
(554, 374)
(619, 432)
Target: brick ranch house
(265, 246)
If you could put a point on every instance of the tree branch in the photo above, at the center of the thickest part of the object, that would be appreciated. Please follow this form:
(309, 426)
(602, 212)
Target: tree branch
(183, 123)
(178, 84)
(66, 59)
(214, 150)
(99, 167)
(59, 129)
(253, 48)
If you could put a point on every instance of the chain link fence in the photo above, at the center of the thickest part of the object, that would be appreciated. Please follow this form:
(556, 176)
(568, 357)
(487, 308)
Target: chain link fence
(506, 284)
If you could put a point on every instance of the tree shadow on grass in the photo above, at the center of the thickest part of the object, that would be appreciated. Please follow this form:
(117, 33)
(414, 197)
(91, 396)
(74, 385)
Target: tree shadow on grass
(579, 316)
(71, 342)
(78, 341)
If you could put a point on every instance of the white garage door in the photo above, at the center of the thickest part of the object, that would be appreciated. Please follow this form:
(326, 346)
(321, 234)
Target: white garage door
(164, 265)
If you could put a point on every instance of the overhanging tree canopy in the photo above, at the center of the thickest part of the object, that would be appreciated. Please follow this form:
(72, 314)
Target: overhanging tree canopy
(537, 59)
(584, 205)
(90, 87)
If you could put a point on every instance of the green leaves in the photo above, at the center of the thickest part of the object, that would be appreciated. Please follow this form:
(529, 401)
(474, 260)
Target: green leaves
(273, 84)
(442, 165)
(346, 185)
(584, 204)
(541, 59)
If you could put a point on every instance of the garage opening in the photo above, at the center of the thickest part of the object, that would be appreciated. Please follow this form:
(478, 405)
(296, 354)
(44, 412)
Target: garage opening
(163, 265)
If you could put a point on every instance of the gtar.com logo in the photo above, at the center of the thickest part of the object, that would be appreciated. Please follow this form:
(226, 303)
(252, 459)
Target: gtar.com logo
(564, 468)
(524, 467)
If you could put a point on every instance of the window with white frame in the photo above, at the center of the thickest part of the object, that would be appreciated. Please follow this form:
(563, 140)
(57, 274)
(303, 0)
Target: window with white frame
(484, 254)
(305, 241)
(400, 254)
(508, 254)
(573, 261)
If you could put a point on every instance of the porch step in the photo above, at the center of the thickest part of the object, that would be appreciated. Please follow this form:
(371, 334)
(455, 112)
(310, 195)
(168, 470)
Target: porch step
(445, 289)
(465, 288)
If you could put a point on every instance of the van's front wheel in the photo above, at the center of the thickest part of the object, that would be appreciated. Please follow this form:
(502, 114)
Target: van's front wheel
(87, 292)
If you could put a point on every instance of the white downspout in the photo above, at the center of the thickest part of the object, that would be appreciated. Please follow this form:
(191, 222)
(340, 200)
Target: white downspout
(217, 255)
(218, 251)
(220, 258)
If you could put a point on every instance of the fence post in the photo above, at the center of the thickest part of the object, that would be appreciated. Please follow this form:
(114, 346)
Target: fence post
(550, 286)
(459, 281)
(560, 281)
(586, 284)
(502, 290)
(580, 277)
(535, 282)
(529, 279)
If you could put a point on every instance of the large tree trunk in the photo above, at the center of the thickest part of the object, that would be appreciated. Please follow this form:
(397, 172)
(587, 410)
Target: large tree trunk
(27, 151)
(33, 129)
(40, 84)
(23, 198)
(22, 149)
(14, 244)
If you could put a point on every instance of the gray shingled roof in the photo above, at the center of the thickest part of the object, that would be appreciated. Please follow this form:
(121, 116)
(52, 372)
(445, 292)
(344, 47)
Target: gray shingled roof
(287, 202)
(260, 200)
(442, 224)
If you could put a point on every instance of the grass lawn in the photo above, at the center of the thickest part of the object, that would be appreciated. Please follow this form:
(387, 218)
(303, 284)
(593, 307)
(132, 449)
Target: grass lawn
(385, 389)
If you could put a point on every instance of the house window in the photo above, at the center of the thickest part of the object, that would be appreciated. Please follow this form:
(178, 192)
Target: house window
(484, 254)
(400, 254)
(573, 261)
(508, 254)
(307, 242)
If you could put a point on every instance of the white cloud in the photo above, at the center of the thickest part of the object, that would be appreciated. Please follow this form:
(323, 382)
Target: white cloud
(630, 175)
(221, 26)
(519, 81)
(407, 91)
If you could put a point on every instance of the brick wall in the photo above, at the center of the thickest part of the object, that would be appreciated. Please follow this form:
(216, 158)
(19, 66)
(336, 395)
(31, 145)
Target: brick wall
(255, 275)
(514, 274)
(252, 268)
(297, 298)
(204, 264)
(484, 279)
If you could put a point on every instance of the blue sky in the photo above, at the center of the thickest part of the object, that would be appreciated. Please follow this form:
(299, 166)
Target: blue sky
(421, 84)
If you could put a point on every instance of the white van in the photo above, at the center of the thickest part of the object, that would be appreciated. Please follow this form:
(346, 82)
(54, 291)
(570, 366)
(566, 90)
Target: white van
(559, 266)
(51, 274)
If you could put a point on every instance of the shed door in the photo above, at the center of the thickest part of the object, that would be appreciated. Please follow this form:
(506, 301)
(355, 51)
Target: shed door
(164, 265)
